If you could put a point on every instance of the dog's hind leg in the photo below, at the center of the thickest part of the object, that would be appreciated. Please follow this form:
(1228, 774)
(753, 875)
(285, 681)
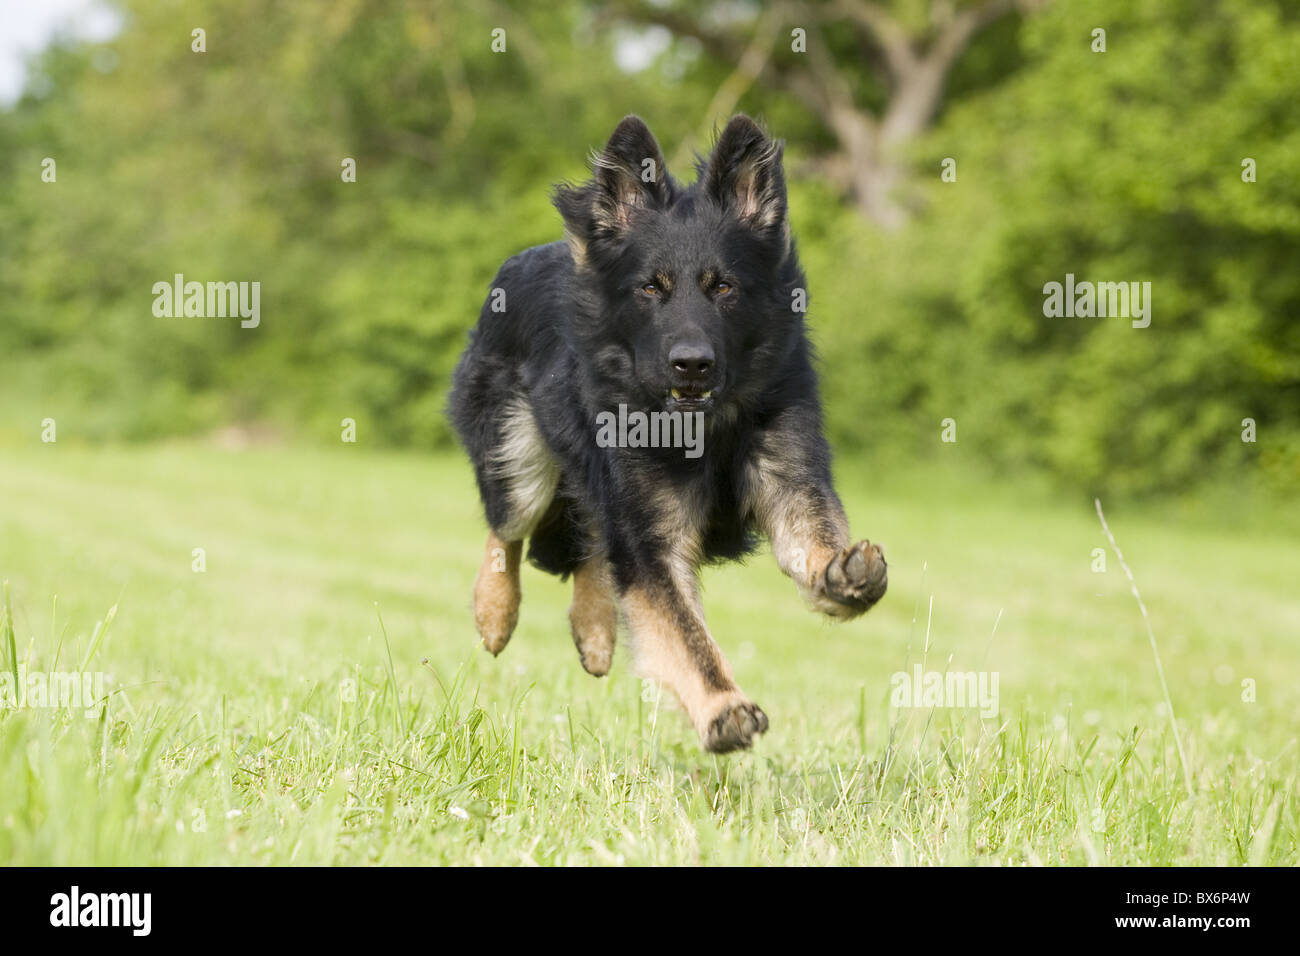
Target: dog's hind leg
(594, 615)
(518, 485)
(496, 592)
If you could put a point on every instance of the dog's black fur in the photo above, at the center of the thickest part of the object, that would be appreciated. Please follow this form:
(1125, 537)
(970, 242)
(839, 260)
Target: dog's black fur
(663, 298)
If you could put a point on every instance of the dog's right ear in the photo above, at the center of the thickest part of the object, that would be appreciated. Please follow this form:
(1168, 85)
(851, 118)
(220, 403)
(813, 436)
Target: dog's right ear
(628, 175)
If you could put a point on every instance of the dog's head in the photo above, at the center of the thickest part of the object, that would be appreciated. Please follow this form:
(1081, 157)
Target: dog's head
(689, 299)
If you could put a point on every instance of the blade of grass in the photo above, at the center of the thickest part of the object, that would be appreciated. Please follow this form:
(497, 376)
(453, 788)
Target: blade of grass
(392, 676)
(7, 626)
(97, 637)
(1155, 651)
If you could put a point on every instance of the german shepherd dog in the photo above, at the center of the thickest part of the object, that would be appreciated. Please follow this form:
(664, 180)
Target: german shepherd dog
(683, 306)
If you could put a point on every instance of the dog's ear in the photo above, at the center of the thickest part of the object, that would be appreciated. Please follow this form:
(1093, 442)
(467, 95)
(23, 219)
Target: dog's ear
(744, 175)
(627, 175)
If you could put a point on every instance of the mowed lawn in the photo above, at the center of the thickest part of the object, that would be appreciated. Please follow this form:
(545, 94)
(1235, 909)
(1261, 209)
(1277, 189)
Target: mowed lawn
(257, 714)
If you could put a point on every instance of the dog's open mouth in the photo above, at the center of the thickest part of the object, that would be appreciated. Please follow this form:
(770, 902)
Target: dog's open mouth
(690, 400)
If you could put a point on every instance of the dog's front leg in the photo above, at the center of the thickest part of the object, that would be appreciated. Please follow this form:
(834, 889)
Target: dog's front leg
(798, 511)
(671, 644)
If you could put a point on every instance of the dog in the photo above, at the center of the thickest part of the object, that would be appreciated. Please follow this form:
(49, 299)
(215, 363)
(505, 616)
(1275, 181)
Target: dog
(638, 399)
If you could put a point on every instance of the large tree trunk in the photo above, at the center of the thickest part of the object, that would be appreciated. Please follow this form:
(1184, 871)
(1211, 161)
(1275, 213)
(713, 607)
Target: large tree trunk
(865, 173)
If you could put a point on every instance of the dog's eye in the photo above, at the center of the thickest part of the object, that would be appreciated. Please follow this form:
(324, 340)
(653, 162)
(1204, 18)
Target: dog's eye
(721, 287)
(650, 289)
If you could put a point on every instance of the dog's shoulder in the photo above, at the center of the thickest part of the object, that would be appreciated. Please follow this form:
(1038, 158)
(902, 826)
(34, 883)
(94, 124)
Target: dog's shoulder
(545, 264)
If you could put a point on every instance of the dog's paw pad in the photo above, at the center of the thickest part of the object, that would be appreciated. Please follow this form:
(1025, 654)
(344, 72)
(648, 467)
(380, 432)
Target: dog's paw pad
(858, 576)
(735, 727)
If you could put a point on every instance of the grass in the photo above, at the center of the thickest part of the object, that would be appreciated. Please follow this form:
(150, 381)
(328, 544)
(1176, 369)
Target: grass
(260, 712)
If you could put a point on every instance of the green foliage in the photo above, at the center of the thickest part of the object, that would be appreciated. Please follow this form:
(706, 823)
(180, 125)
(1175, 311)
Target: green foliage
(1115, 166)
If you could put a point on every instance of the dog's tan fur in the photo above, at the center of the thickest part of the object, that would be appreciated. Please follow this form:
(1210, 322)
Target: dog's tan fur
(529, 468)
(681, 654)
(496, 592)
(806, 533)
(593, 615)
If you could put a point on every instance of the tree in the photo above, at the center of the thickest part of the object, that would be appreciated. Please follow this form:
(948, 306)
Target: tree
(910, 57)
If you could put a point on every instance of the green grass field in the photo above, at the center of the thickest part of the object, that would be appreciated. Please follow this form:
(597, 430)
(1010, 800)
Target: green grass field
(257, 714)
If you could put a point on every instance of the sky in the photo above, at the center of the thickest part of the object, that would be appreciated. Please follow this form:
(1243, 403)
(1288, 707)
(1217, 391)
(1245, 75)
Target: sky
(27, 26)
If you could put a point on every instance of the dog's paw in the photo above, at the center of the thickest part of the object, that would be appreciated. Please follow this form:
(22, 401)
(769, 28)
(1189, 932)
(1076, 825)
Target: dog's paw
(856, 578)
(596, 659)
(496, 611)
(735, 727)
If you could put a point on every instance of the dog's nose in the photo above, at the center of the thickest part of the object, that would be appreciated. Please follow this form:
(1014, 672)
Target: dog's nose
(691, 363)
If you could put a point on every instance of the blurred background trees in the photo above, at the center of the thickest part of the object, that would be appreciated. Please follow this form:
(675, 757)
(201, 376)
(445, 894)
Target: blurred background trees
(1123, 165)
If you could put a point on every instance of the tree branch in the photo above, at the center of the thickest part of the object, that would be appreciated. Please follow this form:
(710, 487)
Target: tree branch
(918, 92)
(887, 32)
(751, 66)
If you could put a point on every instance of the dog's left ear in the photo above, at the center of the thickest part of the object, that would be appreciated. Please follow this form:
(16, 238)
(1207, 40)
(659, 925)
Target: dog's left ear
(745, 176)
